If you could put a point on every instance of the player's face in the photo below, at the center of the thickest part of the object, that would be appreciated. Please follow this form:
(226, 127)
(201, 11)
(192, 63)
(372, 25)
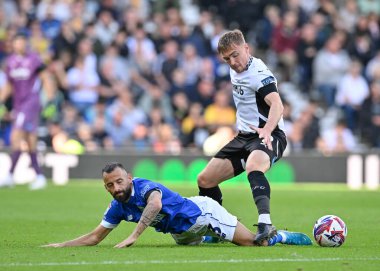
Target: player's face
(237, 57)
(119, 184)
(19, 45)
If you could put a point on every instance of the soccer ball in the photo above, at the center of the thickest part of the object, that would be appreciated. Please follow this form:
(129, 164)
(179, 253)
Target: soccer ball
(330, 231)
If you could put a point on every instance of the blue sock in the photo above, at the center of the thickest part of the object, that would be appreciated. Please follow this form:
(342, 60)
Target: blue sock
(275, 239)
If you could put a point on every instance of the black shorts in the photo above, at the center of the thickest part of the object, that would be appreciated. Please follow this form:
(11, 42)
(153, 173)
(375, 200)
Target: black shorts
(239, 148)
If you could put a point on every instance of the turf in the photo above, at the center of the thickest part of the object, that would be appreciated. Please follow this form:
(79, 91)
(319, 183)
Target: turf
(31, 219)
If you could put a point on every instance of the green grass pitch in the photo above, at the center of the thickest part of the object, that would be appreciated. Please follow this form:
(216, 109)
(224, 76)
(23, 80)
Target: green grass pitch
(31, 219)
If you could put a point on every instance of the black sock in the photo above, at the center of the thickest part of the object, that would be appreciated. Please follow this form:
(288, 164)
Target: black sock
(260, 190)
(213, 192)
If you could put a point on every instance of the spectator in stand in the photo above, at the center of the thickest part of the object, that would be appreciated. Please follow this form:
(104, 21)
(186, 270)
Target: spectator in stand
(180, 105)
(306, 52)
(96, 45)
(50, 26)
(85, 137)
(220, 112)
(370, 117)
(191, 64)
(295, 6)
(349, 15)
(83, 88)
(304, 132)
(38, 42)
(114, 73)
(166, 63)
(372, 70)
(85, 50)
(106, 27)
(141, 47)
(361, 48)
(204, 93)
(156, 97)
(207, 71)
(67, 40)
(329, 65)
(324, 29)
(122, 118)
(340, 139)
(70, 119)
(285, 39)
(193, 131)
(100, 134)
(374, 29)
(59, 9)
(351, 92)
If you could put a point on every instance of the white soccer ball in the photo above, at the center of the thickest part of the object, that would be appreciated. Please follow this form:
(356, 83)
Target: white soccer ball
(330, 231)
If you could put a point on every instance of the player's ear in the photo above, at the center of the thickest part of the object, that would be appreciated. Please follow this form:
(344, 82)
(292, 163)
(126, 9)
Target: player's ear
(129, 176)
(246, 47)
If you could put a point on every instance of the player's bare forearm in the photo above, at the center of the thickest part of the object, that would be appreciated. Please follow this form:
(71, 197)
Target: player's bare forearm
(275, 111)
(150, 212)
(91, 239)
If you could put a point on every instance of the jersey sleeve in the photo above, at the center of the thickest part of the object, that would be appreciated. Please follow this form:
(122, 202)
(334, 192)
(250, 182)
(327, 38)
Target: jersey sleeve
(147, 189)
(112, 217)
(263, 79)
(7, 71)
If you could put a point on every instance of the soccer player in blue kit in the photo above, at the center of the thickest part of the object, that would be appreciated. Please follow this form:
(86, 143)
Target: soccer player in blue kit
(188, 220)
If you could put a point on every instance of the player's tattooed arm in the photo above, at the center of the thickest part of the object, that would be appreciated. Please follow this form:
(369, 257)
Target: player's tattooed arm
(153, 207)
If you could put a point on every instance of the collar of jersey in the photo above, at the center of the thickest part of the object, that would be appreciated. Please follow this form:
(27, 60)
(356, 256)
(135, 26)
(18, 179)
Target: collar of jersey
(249, 62)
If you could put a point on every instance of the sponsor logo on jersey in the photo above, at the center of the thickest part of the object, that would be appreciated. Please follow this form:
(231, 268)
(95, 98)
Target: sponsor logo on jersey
(268, 80)
(144, 190)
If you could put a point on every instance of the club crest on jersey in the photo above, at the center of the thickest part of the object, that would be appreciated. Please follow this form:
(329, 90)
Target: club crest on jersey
(268, 80)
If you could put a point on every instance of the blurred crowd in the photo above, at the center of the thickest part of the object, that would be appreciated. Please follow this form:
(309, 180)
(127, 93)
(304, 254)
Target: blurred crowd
(145, 74)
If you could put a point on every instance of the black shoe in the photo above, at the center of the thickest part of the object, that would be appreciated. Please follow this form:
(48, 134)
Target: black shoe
(264, 232)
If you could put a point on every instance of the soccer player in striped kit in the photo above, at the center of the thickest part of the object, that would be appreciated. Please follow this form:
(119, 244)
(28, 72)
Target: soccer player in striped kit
(261, 139)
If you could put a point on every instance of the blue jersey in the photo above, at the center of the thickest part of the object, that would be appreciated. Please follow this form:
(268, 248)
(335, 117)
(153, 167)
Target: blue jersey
(177, 215)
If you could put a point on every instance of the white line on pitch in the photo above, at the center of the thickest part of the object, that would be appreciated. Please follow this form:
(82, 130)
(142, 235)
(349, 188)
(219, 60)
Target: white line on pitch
(187, 261)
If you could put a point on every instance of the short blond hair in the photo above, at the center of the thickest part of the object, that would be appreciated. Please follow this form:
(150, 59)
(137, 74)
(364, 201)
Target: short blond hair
(229, 38)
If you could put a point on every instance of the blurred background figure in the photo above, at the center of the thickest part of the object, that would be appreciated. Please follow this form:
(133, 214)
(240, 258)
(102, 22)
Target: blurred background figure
(24, 70)
(340, 139)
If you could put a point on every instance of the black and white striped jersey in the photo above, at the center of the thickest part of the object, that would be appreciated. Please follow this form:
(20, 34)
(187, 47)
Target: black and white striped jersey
(249, 90)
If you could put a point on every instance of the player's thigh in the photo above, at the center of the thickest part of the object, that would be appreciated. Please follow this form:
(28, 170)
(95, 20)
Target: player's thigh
(258, 160)
(261, 157)
(216, 171)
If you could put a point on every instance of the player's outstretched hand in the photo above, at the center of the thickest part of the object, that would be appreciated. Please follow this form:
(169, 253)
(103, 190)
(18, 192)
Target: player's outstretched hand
(126, 243)
(53, 245)
(265, 134)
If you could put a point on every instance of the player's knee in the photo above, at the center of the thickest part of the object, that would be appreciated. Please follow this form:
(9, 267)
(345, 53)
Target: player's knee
(203, 180)
(258, 161)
